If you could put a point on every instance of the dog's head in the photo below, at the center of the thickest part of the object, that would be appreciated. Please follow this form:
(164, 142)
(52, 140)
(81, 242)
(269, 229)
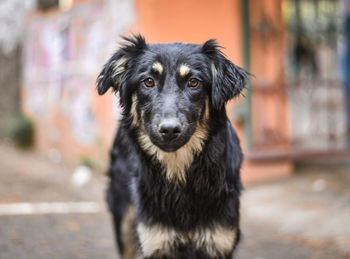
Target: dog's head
(168, 90)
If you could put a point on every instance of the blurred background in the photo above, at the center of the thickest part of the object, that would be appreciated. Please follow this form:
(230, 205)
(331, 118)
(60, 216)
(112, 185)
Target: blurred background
(293, 120)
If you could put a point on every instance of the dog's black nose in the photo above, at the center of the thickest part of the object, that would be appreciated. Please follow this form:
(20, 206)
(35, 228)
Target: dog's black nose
(169, 129)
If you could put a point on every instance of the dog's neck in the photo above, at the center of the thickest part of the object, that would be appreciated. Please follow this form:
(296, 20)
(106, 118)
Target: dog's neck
(177, 164)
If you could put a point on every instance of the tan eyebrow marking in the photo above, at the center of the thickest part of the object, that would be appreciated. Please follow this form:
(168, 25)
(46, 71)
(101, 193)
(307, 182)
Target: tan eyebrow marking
(184, 70)
(157, 66)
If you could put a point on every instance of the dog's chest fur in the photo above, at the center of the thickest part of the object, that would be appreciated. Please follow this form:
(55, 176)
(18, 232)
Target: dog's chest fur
(172, 216)
(187, 203)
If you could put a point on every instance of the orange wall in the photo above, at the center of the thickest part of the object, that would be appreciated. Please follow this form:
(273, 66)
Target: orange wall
(160, 21)
(192, 21)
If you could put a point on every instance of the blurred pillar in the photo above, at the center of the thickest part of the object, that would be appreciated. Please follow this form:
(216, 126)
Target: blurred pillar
(269, 105)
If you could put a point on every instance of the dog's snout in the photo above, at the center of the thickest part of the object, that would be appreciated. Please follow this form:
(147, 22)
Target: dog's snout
(170, 128)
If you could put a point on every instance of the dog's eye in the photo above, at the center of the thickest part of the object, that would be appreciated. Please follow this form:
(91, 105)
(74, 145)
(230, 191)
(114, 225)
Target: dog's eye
(193, 82)
(149, 82)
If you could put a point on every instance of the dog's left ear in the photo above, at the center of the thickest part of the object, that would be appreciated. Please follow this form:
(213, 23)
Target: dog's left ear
(115, 68)
(228, 80)
(111, 74)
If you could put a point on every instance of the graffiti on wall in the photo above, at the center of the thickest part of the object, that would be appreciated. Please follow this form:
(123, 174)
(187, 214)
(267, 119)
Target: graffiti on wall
(63, 55)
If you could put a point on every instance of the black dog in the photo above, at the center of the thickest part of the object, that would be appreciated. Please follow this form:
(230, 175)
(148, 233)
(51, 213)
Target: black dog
(175, 163)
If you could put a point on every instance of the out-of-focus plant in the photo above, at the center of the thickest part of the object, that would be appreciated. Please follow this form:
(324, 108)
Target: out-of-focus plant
(94, 164)
(87, 161)
(20, 129)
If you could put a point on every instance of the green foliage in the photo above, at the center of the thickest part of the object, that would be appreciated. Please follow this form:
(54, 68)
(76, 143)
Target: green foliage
(94, 164)
(20, 129)
(87, 161)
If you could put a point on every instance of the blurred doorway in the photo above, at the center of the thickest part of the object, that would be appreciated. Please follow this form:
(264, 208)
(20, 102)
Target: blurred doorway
(314, 87)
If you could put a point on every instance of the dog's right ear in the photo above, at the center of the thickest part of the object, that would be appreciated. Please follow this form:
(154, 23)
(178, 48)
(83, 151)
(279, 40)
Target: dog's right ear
(114, 70)
(228, 79)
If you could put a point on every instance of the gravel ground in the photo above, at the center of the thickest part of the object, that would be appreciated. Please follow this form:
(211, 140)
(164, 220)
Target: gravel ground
(305, 216)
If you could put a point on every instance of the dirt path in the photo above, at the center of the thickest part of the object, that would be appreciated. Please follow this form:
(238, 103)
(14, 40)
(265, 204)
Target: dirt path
(306, 216)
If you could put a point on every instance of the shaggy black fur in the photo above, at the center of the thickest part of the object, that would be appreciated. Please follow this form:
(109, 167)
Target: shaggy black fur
(206, 201)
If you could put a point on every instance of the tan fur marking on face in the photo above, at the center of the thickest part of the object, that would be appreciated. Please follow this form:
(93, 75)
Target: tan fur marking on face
(159, 240)
(157, 66)
(184, 70)
(177, 163)
(133, 112)
(128, 234)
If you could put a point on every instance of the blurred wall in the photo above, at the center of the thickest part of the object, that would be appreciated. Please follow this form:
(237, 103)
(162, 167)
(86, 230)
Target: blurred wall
(64, 51)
